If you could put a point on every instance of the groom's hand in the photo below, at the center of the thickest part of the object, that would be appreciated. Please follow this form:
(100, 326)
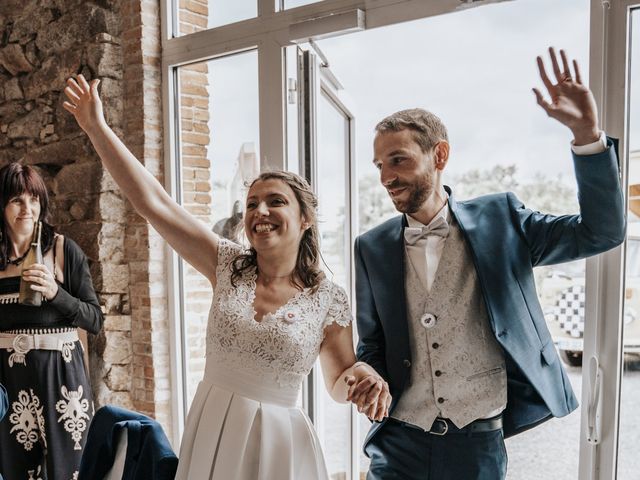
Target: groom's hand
(369, 392)
(572, 103)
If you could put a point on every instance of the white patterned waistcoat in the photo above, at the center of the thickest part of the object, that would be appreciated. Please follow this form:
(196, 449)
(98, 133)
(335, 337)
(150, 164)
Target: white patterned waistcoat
(458, 368)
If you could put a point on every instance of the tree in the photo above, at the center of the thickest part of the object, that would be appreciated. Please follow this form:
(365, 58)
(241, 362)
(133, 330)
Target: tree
(374, 204)
(542, 193)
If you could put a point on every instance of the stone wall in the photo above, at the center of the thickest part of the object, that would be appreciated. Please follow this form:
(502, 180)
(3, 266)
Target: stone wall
(43, 42)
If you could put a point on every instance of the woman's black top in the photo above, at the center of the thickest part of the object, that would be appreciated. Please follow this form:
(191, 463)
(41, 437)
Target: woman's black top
(75, 304)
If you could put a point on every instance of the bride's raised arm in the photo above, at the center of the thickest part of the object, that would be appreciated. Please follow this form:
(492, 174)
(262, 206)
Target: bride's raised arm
(188, 236)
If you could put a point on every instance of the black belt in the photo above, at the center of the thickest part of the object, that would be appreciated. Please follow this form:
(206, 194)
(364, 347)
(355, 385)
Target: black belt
(442, 426)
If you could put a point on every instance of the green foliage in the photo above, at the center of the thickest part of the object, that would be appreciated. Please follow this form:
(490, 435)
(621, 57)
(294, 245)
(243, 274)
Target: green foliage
(541, 192)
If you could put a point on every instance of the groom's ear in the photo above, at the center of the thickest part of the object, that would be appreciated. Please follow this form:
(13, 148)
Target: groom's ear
(441, 151)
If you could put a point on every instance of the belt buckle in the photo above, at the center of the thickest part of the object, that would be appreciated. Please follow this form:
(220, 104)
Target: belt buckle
(21, 344)
(445, 429)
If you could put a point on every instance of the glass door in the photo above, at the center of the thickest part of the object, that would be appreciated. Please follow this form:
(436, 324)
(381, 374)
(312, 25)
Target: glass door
(326, 132)
(609, 415)
(629, 427)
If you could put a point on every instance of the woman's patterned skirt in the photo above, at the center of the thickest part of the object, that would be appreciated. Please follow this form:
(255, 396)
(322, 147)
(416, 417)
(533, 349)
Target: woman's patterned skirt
(50, 408)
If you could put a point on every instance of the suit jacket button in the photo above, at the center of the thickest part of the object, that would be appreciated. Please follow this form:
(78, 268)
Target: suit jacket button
(406, 363)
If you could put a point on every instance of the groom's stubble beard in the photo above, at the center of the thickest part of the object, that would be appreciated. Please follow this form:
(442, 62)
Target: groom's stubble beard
(420, 189)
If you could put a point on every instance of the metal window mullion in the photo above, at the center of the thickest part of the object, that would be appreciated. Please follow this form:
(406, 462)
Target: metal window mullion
(266, 8)
(352, 211)
(307, 117)
(277, 25)
(272, 104)
(307, 141)
(342, 105)
(172, 175)
(605, 273)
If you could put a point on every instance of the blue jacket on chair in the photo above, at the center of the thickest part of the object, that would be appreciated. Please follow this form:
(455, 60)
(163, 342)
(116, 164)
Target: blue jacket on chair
(4, 405)
(149, 455)
(506, 241)
(4, 402)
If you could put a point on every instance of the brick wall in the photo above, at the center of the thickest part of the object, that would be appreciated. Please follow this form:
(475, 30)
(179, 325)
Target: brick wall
(42, 43)
(196, 188)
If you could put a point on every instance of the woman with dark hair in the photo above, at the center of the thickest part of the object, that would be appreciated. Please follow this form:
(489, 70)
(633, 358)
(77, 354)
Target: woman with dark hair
(41, 358)
(273, 313)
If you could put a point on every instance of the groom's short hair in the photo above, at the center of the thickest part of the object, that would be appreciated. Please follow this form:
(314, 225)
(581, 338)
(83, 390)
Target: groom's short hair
(428, 128)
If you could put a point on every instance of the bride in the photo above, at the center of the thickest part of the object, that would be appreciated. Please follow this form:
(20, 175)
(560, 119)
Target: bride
(273, 313)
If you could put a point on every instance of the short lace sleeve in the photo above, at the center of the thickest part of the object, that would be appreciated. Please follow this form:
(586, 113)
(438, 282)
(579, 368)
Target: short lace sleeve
(227, 252)
(339, 310)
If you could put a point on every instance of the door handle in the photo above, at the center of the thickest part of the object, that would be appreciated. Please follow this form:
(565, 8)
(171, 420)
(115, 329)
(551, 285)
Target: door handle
(594, 408)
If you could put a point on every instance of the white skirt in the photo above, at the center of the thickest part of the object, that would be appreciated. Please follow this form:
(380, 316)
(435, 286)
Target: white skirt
(239, 429)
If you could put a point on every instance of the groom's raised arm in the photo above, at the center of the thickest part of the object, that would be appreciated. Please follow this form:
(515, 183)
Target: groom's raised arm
(601, 222)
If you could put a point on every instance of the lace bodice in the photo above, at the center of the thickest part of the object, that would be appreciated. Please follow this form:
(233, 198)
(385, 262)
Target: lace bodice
(284, 345)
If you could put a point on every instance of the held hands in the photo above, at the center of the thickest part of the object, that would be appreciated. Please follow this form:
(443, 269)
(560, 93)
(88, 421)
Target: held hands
(368, 391)
(83, 102)
(572, 103)
(42, 280)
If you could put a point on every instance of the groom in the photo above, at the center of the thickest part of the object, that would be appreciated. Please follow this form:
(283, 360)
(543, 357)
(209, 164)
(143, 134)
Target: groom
(447, 309)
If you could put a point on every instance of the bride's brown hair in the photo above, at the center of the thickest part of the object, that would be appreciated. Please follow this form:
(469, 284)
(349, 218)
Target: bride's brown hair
(307, 273)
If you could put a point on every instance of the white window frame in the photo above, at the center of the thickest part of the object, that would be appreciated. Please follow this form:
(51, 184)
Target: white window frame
(273, 30)
(609, 81)
(270, 31)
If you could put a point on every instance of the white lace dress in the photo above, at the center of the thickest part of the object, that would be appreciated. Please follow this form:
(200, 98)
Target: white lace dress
(243, 423)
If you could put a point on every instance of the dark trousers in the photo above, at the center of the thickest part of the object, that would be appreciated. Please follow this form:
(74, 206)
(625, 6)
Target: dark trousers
(401, 452)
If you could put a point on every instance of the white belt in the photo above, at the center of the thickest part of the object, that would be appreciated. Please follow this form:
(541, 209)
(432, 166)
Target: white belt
(22, 343)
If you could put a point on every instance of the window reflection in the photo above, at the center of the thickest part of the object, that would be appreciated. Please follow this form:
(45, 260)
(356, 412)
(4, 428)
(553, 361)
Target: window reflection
(196, 15)
(333, 419)
(219, 155)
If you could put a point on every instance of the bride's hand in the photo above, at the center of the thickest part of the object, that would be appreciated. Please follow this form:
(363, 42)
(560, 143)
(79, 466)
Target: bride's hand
(369, 392)
(83, 102)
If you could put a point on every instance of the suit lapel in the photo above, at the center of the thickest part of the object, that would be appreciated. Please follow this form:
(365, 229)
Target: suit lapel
(392, 270)
(465, 220)
(473, 235)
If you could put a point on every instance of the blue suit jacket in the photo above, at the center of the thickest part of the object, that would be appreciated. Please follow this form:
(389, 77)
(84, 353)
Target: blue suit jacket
(149, 454)
(4, 406)
(4, 402)
(506, 241)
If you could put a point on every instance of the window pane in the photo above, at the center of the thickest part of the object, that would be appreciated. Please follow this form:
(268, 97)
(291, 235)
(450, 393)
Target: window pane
(298, 3)
(628, 459)
(219, 153)
(197, 15)
(501, 140)
(333, 419)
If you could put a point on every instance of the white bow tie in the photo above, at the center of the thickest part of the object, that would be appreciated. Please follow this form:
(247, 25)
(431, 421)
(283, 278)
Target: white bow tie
(438, 227)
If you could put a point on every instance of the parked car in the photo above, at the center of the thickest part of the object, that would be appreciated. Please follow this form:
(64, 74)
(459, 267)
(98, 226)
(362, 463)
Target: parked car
(564, 297)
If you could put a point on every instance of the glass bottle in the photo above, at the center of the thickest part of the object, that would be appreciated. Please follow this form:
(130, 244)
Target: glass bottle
(29, 296)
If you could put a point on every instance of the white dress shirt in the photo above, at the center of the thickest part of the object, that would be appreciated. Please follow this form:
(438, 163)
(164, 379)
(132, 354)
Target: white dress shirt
(428, 251)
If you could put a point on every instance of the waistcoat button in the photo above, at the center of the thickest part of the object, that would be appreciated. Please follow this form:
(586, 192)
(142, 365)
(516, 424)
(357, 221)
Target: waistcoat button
(428, 320)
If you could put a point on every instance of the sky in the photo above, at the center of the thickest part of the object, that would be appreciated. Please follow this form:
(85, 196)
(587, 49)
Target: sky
(474, 68)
